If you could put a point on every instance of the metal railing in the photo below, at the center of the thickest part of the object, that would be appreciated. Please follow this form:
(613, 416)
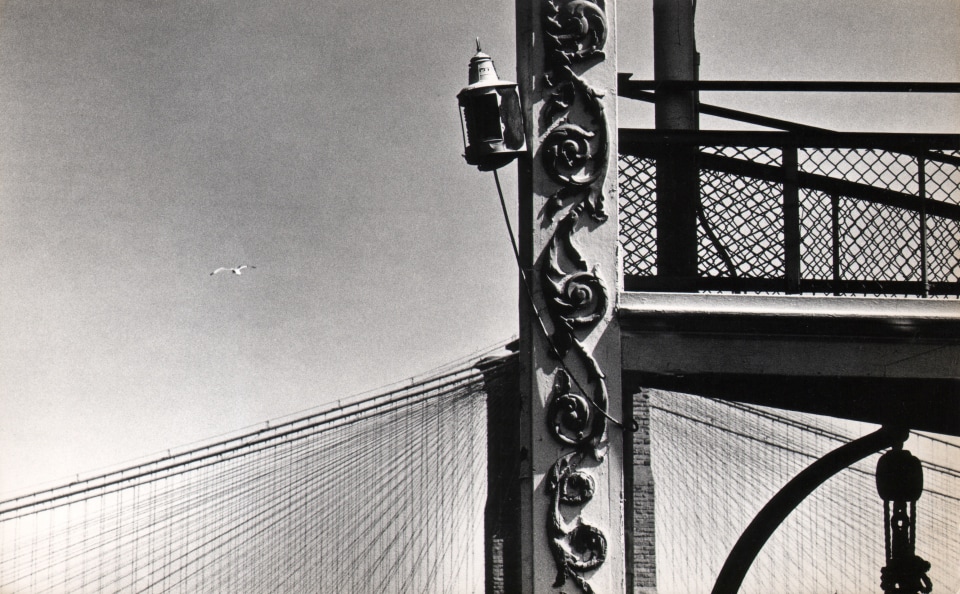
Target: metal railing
(800, 212)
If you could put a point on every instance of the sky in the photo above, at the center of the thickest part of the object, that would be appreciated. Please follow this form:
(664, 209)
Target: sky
(144, 143)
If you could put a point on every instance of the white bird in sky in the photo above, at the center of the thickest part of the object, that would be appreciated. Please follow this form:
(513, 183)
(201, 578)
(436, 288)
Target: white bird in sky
(236, 270)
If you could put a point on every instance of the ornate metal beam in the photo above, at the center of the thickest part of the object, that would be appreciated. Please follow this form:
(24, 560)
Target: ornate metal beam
(572, 510)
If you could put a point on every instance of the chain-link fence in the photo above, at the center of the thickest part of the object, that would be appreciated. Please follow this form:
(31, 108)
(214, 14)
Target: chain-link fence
(838, 214)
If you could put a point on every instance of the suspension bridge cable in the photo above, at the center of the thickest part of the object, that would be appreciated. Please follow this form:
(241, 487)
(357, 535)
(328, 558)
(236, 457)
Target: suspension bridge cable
(392, 499)
(202, 525)
(245, 442)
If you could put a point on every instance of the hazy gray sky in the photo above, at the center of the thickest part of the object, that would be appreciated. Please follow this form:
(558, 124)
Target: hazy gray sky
(144, 143)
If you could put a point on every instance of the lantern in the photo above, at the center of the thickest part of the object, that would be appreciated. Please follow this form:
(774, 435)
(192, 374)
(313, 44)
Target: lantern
(490, 112)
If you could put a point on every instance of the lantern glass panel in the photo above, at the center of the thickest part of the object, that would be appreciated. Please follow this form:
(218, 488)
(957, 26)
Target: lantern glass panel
(512, 118)
(483, 118)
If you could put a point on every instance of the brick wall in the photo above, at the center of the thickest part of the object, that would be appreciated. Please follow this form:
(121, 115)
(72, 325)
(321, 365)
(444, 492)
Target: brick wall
(502, 513)
(641, 549)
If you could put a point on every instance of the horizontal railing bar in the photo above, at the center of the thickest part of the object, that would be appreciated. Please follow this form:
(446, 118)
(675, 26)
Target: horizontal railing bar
(777, 285)
(641, 141)
(768, 122)
(628, 88)
(665, 284)
(735, 114)
(942, 158)
(878, 286)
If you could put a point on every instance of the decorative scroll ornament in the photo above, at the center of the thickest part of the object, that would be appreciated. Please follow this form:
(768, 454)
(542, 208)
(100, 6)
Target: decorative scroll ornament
(575, 154)
(571, 418)
(575, 299)
(575, 31)
(577, 547)
(567, 153)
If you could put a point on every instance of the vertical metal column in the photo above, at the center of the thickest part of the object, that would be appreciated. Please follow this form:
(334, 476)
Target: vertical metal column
(791, 220)
(835, 242)
(922, 191)
(571, 452)
(678, 184)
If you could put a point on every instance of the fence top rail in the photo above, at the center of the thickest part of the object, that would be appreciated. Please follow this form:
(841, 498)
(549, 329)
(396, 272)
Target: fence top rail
(643, 139)
(633, 88)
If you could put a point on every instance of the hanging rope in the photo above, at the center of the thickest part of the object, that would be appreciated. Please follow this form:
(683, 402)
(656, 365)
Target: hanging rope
(900, 484)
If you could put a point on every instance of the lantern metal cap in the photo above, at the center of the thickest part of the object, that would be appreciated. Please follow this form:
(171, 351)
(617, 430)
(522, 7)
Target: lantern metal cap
(482, 72)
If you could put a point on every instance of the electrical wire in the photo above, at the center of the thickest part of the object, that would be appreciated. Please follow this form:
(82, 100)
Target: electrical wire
(536, 313)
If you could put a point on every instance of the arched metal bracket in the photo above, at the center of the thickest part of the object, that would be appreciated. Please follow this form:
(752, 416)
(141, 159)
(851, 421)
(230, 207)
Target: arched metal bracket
(789, 497)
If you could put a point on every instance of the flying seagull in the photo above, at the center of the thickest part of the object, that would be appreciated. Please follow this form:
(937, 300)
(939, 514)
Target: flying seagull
(236, 270)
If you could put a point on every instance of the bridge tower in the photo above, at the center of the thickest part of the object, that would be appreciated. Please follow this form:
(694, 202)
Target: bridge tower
(642, 269)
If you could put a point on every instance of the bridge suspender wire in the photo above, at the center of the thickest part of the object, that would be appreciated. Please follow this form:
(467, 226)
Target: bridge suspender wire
(716, 464)
(387, 493)
(300, 428)
(366, 494)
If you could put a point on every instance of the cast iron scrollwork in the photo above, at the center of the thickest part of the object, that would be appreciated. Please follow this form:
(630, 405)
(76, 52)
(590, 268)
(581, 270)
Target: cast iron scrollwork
(577, 546)
(571, 418)
(575, 300)
(576, 157)
(576, 30)
(575, 154)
